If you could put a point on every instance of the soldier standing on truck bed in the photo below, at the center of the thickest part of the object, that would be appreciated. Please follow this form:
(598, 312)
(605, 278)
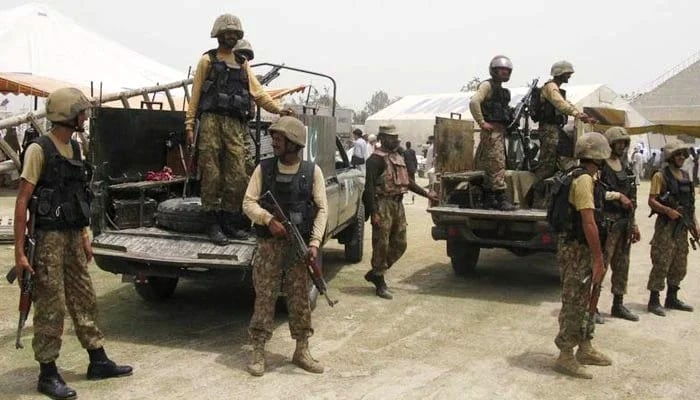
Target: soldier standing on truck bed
(221, 99)
(386, 181)
(56, 175)
(620, 205)
(556, 146)
(490, 107)
(300, 189)
(672, 196)
(580, 259)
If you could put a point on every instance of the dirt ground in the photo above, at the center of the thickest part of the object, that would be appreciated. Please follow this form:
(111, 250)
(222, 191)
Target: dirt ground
(442, 337)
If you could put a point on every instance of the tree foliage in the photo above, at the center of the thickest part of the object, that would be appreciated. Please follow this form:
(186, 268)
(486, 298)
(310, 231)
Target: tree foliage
(472, 85)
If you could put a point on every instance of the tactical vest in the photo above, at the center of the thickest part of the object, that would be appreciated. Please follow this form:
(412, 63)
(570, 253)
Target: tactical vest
(570, 223)
(294, 193)
(226, 91)
(497, 107)
(63, 193)
(680, 192)
(622, 181)
(394, 180)
(550, 114)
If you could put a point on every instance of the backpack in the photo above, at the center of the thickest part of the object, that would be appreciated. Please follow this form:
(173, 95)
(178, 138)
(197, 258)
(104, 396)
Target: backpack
(559, 211)
(535, 104)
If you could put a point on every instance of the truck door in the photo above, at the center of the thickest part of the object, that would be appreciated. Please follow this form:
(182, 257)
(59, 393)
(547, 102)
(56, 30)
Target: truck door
(349, 185)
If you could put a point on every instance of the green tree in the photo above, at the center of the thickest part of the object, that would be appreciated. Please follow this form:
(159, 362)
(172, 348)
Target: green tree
(472, 85)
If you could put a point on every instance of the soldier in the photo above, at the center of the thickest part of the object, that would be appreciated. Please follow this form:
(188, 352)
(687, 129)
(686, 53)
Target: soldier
(552, 116)
(490, 108)
(671, 196)
(619, 208)
(299, 188)
(385, 184)
(55, 174)
(580, 259)
(221, 99)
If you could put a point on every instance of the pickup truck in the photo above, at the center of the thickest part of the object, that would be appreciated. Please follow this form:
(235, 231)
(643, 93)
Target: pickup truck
(152, 231)
(459, 219)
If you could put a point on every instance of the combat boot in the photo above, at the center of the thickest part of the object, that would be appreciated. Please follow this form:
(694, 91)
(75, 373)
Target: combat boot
(588, 355)
(502, 202)
(302, 358)
(378, 281)
(216, 235)
(566, 364)
(672, 301)
(654, 305)
(52, 384)
(620, 311)
(228, 222)
(256, 366)
(101, 367)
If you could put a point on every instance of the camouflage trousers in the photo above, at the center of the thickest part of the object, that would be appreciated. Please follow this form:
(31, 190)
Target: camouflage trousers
(549, 160)
(268, 271)
(224, 161)
(491, 158)
(617, 255)
(61, 281)
(669, 255)
(575, 265)
(389, 235)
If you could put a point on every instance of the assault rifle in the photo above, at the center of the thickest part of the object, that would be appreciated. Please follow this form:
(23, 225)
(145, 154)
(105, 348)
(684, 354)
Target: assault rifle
(522, 110)
(593, 297)
(26, 282)
(299, 246)
(685, 221)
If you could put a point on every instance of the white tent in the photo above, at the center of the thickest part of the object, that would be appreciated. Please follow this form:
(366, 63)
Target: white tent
(414, 116)
(38, 40)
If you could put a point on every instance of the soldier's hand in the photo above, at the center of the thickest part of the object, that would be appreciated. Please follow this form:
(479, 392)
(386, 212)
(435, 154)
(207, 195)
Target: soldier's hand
(287, 112)
(672, 214)
(626, 202)
(22, 264)
(598, 270)
(313, 253)
(433, 197)
(487, 127)
(375, 219)
(189, 136)
(636, 236)
(87, 247)
(276, 228)
(587, 118)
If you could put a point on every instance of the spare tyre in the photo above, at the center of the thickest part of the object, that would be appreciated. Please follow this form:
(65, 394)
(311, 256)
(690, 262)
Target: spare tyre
(182, 215)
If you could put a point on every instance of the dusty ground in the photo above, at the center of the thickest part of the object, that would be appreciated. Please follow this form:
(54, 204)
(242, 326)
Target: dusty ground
(442, 337)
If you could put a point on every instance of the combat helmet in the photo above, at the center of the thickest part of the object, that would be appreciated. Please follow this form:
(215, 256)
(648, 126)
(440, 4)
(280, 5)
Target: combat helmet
(561, 68)
(673, 147)
(615, 134)
(64, 105)
(499, 61)
(592, 146)
(291, 128)
(226, 22)
(389, 130)
(244, 49)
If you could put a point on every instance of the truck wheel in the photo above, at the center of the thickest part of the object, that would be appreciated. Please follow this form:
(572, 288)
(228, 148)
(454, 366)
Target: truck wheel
(355, 246)
(156, 288)
(182, 215)
(464, 259)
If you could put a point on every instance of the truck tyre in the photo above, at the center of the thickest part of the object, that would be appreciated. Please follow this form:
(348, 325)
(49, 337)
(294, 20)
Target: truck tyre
(355, 246)
(182, 215)
(464, 259)
(156, 288)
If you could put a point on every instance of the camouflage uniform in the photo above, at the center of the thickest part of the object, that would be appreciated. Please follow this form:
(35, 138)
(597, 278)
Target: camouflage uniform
(491, 158)
(617, 254)
(389, 235)
(269, 266)
(575, 265)
(223, 160)
(669, 255)
(61, 281)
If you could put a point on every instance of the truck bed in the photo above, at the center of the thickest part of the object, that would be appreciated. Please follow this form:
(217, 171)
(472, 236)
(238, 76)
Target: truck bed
(161, 247)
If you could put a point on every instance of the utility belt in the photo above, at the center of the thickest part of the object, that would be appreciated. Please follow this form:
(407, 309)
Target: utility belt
(394, 197)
